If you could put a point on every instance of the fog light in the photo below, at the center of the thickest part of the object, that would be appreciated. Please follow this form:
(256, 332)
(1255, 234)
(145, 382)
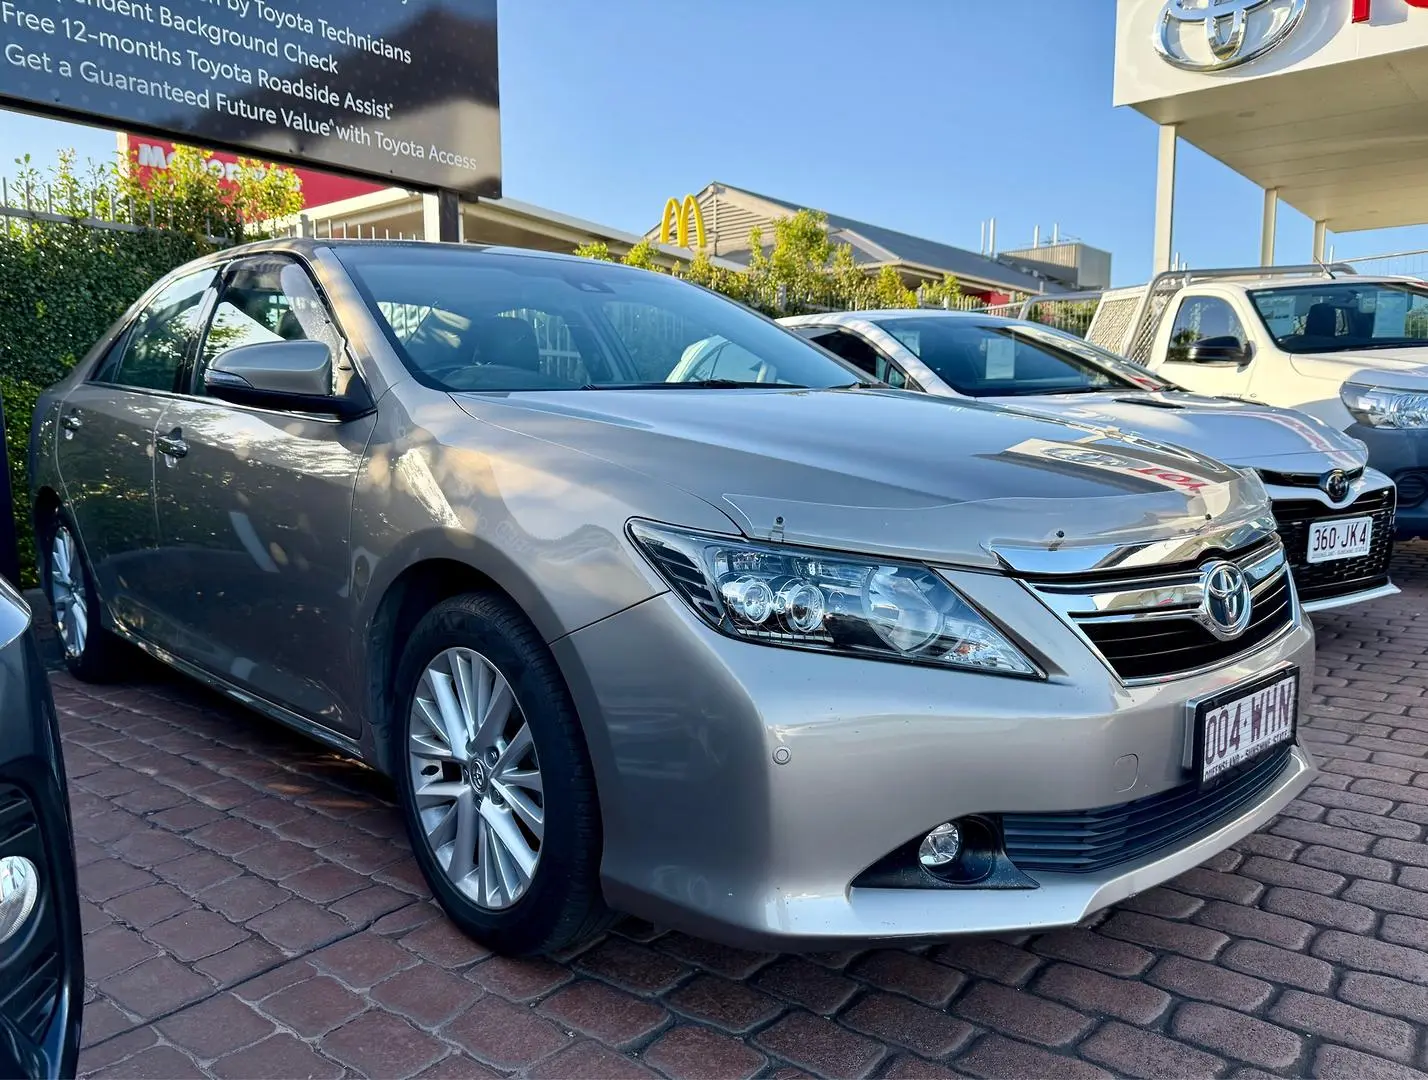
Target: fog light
(941, 846)
(19, 889)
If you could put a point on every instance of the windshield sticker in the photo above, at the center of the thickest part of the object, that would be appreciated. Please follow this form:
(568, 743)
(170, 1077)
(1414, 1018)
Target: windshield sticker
(1390, 317)
(1001, 358)
(911, 339)
(1278, 312)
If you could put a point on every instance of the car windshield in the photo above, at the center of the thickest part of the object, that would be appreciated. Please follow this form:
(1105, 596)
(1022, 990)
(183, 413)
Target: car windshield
(1333, 316)
(465, 320)
(984, 359)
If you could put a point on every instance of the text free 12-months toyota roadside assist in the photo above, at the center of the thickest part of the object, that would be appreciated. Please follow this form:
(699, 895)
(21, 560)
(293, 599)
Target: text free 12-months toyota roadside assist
(785, 659)
(41, 958)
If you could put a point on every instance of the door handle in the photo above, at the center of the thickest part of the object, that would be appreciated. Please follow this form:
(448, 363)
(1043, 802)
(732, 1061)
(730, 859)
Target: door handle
(71, 423)
(172, 444)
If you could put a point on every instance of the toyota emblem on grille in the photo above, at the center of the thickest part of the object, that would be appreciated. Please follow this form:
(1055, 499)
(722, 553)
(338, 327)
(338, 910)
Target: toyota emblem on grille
(1335, 484)
(1227, 601)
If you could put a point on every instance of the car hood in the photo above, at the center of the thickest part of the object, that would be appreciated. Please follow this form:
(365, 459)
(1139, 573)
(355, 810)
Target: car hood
(893, 473)
(1241, 433)
(1402, 369)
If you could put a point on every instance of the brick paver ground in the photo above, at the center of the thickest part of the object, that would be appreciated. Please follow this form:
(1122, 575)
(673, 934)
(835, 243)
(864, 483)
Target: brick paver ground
(251, 910)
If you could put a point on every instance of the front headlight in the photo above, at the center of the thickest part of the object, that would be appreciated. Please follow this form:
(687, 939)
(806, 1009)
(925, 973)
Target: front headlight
(1381, 407)
(804, 599)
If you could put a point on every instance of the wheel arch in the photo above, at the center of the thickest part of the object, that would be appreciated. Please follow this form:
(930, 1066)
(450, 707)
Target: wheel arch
(427, 568)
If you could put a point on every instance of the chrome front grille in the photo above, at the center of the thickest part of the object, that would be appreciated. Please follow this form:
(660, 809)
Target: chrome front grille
(1339, 577)
(1156, 626)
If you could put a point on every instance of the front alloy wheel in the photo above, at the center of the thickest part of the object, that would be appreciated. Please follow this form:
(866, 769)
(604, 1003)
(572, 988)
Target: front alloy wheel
(495, 780)
(69, 599)
(476, 779)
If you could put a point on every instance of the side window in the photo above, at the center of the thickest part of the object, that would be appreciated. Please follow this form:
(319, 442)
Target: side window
(269, 300)
(159, 341)
(863, 356)
(1199, 318)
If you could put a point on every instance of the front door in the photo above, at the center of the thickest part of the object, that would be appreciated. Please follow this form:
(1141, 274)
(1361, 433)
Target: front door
(253, 512)
(1198, 319)
(106, 447)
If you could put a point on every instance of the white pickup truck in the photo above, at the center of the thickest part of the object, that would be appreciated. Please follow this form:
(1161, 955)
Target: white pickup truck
(1349, 349)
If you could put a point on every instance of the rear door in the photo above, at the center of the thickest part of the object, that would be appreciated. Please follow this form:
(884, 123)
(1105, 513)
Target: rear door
(254, 508)
(105, 451)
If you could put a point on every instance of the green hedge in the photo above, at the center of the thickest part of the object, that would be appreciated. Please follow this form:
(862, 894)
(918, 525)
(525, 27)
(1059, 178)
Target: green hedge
(63, 282)
(61, 286)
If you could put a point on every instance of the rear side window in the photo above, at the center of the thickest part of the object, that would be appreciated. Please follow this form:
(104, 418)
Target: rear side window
(161, 337)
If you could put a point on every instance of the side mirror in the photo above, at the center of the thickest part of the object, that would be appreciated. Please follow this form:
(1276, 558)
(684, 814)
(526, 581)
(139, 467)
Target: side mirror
(294, 376)
(1220, 350)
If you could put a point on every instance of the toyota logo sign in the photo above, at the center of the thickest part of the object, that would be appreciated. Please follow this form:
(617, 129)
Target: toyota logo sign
(1230, 40)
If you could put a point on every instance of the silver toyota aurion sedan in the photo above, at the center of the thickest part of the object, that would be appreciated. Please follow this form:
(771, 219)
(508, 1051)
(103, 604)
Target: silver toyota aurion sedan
(779, 657)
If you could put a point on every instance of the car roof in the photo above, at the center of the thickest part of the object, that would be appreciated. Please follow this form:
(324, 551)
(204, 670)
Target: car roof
(301, 245)
(880, 315)
(1310, 281)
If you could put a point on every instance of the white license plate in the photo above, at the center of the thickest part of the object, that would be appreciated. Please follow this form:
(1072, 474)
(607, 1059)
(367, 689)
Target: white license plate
(1345, 538)
(1239, 725)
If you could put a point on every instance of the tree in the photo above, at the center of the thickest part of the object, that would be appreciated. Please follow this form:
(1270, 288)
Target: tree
(890, 292)
(597, 250)
(944, 293)
(852, 288)
(194, 195)
(643, 255)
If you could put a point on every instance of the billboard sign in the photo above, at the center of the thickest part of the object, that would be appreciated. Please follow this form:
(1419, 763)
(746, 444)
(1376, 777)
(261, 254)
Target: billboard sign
(401, 92)
(146, 156)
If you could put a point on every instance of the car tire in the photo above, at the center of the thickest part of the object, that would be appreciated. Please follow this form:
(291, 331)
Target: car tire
(453, 797)
(91, 652)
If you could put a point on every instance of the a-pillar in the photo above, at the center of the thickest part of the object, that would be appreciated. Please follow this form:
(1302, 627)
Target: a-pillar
(1165, 198)
(1269, 227)
(1321, 231)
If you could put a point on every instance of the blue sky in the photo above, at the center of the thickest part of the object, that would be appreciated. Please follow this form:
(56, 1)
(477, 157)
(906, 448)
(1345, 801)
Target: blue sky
(928, 116)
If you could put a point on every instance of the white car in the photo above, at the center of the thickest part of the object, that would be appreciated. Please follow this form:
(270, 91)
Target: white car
(1335, 514)
(1347, 348)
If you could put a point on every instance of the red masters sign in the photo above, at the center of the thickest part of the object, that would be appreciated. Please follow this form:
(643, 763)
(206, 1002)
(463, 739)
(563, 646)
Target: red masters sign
(318, 188)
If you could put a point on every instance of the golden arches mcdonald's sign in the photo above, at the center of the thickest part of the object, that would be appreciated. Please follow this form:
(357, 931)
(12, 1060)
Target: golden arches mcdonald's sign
(676, 218)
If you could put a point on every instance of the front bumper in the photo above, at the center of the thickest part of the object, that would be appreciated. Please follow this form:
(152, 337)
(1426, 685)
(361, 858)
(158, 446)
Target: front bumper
(42, 967)
(744, 787)
(1403, 457)
(1339, 583)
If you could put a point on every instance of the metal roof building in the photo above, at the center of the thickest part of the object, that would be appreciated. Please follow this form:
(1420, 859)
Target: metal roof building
(729, 213)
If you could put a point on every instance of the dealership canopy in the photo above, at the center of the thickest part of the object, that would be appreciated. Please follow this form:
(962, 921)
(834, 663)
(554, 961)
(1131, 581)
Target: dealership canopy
(1319, 102)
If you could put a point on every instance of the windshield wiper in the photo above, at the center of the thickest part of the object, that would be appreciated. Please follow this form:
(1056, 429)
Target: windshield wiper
(694, 384)
(1039, 391)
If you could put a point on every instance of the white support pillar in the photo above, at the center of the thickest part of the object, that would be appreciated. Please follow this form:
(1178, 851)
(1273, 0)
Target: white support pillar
(1165, 197)
(1269, 227)
(441, 218)
(1321, 236)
